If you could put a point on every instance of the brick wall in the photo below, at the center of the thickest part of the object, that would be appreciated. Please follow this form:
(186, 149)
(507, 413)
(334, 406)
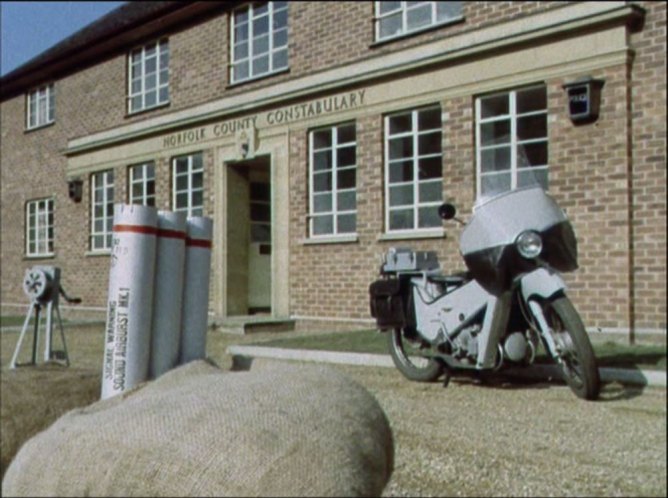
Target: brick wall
(624, 150)
(648, 194)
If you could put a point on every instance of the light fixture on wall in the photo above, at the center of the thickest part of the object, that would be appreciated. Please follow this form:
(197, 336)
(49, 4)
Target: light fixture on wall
(75, 189)
(584, 99)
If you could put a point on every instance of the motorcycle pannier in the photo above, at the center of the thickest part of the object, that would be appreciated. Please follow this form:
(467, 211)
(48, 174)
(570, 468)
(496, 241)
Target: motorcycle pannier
(386, 303)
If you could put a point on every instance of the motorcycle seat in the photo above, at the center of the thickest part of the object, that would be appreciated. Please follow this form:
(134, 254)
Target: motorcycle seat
(453, 279)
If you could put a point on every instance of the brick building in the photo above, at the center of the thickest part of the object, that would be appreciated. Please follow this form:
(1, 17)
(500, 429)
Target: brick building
(318, 135)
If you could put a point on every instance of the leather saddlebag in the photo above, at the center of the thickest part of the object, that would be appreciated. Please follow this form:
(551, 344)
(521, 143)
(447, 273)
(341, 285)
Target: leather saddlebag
(387, 304)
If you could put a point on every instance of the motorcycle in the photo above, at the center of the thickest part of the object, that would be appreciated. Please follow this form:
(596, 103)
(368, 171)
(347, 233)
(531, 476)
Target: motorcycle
(498, 313)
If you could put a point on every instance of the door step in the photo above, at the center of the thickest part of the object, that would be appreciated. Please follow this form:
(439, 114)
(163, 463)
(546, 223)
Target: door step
(254, 324)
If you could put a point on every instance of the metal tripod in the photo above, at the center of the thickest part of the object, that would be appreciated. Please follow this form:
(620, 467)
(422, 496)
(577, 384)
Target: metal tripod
(49, 353)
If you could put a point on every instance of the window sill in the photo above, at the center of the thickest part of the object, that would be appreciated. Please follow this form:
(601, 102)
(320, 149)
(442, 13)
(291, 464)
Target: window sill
(99, 252)
(334, 239)
(132, 114)
(30, 257)
(419, 31)
(438, 233)
(257, 78)
(40, 127)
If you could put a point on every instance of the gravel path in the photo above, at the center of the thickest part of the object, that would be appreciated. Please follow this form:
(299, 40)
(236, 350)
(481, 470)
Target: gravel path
(520, 440)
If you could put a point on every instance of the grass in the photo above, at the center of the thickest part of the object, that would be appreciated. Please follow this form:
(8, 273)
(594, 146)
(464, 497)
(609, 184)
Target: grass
(609, 353)
(17, 320)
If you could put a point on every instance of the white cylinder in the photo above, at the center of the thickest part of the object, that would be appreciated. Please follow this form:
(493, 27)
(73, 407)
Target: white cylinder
(196, 288)
(130, 299)
(168, 292)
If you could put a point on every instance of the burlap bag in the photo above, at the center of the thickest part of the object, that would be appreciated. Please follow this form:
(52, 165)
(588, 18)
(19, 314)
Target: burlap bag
(279, 430)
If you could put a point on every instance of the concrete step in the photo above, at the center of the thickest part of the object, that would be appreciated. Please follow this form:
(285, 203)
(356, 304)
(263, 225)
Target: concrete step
(253, 324)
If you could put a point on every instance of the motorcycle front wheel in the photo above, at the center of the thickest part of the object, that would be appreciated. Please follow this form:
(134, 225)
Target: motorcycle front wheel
(575, 353)
(408, 357)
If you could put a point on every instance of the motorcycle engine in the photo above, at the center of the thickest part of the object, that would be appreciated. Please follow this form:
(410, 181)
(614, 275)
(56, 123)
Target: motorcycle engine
(466, 342)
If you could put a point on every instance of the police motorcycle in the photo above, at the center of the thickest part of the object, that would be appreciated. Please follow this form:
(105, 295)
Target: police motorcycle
(498, 313)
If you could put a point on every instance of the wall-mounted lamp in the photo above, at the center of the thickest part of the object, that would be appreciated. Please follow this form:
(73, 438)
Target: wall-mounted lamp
(584, 99)
(75, 189)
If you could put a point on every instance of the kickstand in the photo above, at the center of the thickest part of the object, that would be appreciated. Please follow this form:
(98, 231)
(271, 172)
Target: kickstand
(447, 377)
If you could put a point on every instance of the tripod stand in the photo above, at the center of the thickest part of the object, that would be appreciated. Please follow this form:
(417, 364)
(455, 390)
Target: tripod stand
(42, 285)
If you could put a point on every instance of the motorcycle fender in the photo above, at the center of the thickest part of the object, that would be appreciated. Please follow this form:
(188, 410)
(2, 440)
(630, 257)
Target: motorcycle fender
(541, 283)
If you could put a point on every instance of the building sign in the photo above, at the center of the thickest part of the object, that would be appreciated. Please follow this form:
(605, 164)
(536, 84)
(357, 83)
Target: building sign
(280, 116)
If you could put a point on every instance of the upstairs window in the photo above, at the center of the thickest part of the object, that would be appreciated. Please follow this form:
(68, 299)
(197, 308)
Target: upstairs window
(259, 40)
(333, 184)
(148, 76)
(188, 184)
(40, 109)
(142, 184)
(39, 228)
(395, 19)
(413, 170)
(511, 140)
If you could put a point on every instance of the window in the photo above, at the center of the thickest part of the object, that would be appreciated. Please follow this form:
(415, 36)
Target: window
(142, 184)
(260, 212)
(102, 210)
(188, 184)
(394, 19)
(511, 140)
(39, 227)
(413, 169)
(333, 186)
(148, 76)
(259, 40)
(40, 107)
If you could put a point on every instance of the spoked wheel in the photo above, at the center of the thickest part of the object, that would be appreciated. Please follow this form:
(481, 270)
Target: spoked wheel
(409, 357)
(574, 352)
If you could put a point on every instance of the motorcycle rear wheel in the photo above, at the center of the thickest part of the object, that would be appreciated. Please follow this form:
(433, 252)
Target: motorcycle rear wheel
(578, 362)
(408, 359)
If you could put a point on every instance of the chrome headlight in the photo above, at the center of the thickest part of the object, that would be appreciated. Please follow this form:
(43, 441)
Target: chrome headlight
(529, 244)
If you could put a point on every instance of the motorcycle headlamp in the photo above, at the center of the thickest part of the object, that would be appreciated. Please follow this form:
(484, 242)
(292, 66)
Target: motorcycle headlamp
(529, 244)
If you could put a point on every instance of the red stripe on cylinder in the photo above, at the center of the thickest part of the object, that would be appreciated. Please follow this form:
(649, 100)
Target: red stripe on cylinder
(171, 234)
(145, 229)
(198, 243)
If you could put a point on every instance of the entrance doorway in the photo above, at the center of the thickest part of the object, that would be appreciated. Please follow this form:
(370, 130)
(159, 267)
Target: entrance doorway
(249, 237)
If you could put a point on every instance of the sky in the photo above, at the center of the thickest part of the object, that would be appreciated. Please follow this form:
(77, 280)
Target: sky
(29, 28)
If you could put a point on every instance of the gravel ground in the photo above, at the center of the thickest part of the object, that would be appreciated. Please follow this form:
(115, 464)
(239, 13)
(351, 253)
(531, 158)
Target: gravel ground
(520, 439)
(504, 439)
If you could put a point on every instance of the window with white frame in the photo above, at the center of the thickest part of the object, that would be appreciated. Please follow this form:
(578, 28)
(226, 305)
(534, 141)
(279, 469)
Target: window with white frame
(102, 210)
(142, 184)
(259, 40)
(39, 227)
(394, 19)
(148, 76)
(413, 169)
(332, 180)
(188, 184)
(40, 108)
(511, 140)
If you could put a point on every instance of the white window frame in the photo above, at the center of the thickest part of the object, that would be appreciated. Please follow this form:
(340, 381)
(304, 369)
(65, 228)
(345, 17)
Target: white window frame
(39, 227)
(335, 212)
(403, 9)
(161, 76)
(189, 209)
(271, 50)
(146, 176)
(106, 199)
(43, 101)
(513, 116)
(415, 182)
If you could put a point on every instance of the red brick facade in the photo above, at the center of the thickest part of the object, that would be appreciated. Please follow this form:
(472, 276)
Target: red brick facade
(610, 175)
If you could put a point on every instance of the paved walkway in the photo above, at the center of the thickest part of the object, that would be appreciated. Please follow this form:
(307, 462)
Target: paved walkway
(242, 354)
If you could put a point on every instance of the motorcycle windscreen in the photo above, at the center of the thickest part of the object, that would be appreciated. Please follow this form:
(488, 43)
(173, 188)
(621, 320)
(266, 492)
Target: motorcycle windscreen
(488, 241)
